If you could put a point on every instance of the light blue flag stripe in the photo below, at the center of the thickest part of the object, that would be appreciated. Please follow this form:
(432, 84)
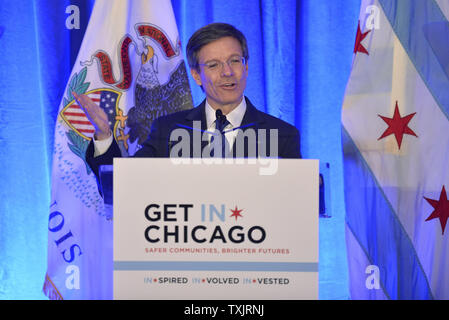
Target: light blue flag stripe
(423, 31)
(215, 266)
(378, 230)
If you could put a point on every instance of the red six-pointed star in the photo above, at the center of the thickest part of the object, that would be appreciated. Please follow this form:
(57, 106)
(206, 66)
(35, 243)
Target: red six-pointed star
(441, 207)
(358, 47)
(236, 213)
(398, 126)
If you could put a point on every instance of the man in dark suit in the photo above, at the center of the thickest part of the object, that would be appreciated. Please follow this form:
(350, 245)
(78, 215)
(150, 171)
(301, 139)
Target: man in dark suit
(226, 120)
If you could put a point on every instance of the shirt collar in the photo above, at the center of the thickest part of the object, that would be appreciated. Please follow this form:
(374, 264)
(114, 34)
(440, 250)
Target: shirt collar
(235, 117)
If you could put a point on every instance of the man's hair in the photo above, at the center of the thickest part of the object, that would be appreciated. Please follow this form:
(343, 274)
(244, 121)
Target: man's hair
(210, 33)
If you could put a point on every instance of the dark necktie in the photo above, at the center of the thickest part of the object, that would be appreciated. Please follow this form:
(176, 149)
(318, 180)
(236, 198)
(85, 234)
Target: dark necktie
(220, 124)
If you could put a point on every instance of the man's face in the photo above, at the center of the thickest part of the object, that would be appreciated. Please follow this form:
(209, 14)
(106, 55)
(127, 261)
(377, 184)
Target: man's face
(224, 86)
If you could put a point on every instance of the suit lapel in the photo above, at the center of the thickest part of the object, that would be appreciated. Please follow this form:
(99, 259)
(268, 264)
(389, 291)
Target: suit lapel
(251, 120)
(251, 117)
(197, 114)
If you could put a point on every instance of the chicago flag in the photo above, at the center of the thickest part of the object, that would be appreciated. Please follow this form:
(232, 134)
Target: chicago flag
(395, 135)
(130, 63)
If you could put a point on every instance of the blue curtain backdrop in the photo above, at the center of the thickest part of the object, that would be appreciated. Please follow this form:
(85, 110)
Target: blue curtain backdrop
(300, 58)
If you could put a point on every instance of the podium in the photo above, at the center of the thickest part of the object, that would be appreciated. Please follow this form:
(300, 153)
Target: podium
(187, 229)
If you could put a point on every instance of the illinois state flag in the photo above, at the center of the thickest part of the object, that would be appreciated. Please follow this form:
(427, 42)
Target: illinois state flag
(130, 63)
(396, 151)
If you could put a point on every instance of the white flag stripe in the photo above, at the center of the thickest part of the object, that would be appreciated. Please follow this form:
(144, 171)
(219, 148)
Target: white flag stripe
(84, 127)
(444, 7)
(70, 114)
(74, 113)
(79, 121)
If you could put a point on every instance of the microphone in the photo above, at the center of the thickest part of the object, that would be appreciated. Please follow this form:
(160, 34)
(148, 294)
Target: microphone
(219, 115)
(221, 121)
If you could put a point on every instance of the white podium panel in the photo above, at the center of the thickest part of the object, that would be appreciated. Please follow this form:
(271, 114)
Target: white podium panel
(215, 231)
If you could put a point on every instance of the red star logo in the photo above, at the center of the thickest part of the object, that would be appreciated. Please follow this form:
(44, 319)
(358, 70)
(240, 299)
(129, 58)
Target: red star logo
(236, 213)
(441, 207)
(358, 47)
(398, 126)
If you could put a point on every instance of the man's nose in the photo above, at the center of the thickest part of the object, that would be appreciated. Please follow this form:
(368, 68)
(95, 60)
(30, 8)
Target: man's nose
(226, 70)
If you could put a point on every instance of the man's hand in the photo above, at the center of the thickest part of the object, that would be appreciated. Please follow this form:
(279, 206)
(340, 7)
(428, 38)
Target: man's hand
(95, 114)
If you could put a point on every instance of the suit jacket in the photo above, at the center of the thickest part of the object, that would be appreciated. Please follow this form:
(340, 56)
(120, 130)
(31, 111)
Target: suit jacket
(158, 143)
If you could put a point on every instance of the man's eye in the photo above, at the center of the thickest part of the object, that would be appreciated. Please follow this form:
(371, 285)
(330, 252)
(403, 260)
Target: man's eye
(212, 65)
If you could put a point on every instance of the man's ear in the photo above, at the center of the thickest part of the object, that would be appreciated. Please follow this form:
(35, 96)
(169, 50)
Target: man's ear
(196, 76)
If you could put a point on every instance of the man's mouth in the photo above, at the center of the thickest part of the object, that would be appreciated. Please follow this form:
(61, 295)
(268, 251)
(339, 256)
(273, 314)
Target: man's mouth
(228, 85)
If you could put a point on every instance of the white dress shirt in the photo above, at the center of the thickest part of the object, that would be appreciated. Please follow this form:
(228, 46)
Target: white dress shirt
(234, 117)
(101, 146)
